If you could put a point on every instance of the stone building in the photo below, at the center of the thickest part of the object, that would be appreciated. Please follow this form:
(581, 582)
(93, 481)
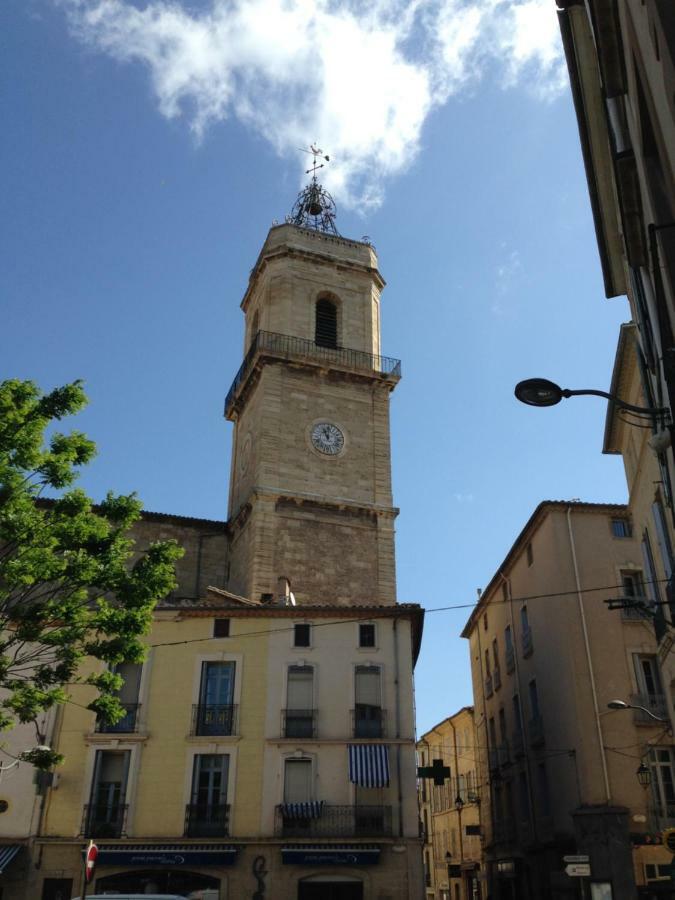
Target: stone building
(268, 748)
(558, 766)
(451, 811)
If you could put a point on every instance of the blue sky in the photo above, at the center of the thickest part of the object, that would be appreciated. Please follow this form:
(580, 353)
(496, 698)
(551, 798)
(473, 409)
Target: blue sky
(150, 149)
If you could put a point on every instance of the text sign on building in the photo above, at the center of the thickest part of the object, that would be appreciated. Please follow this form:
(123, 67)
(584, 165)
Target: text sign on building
(576, 859)
(578, 870)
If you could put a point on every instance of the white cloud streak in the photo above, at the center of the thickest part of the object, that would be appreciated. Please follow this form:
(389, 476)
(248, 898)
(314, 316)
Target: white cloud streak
(361, 79)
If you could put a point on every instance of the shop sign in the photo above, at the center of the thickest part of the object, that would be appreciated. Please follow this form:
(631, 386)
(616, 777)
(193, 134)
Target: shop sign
(169, 855)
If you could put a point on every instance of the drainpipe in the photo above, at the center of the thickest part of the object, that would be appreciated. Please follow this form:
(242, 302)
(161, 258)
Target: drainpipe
(458, 808)
(397, 712)
(587, 647)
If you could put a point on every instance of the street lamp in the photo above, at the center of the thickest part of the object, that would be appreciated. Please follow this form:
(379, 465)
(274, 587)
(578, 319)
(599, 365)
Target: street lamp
(644, 775)
(621, 704)
(541, 392)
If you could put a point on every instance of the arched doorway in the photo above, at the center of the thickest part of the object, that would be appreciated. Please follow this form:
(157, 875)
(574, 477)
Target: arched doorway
(157, 881)
(330, 887)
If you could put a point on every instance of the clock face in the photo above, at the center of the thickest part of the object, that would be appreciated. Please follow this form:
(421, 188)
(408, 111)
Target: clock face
(327, 438)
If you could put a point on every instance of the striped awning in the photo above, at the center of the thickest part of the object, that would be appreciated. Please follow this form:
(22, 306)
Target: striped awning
(7, 854)
(369, 765)
(311, 809)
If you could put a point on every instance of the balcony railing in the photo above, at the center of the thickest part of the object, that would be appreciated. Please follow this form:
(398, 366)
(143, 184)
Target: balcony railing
(527, 644)
(638, 611)
(368, 721)
(535, 728)
(488, 686)
(497, 679)
(284, 346)
(104, 821)
(128, 724)
(214, 719)
(655, 703)
(206, 820)
(510, 659)
(298, 723)
(327, 820)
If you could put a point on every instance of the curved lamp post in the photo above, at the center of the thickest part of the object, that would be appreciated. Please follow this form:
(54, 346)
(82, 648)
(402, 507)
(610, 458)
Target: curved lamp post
(541, 392)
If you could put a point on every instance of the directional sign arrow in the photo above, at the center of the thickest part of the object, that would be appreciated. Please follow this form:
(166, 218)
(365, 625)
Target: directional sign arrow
(578, 870)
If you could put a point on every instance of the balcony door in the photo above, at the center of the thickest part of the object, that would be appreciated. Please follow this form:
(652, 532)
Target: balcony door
(216, 695)
(300, 702)
(208, 802)
(108, 793)
(368, 703)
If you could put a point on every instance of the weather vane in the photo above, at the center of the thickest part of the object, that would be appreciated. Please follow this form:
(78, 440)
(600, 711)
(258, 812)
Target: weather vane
(314, 208)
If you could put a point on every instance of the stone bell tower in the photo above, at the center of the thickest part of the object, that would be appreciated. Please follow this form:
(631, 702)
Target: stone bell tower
(310, 485)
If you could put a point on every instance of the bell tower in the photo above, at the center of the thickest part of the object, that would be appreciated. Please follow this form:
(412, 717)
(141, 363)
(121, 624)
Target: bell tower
(310, 487)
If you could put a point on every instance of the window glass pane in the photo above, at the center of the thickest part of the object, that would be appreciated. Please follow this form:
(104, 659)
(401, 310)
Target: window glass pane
(217, 687)
(366, 635)
(298, 781)
(301, 635)
(300, 687)
(209, 779)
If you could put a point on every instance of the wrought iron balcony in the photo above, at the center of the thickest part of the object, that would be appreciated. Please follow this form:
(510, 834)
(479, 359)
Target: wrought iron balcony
(655, 703)
(527, 643)
(128, 724)
(324, 820)
(214, 719)
(283, 346)
(298, 723)
(640, 609)
(207, 820)
(104, 820)
(368, 721)
(536, 731)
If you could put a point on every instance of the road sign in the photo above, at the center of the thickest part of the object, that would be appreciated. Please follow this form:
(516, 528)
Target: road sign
(576, 859)
(578, 870)
(90, 861)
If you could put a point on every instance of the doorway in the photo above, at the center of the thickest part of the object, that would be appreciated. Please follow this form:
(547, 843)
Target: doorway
(330, 890)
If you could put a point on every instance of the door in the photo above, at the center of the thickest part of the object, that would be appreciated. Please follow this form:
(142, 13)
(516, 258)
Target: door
(208, 808)
(215, 715)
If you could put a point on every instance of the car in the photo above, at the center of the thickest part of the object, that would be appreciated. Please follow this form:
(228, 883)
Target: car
(116, 896)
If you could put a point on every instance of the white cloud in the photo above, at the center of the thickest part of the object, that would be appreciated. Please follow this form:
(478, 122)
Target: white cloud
(507, 274)
(361, 79)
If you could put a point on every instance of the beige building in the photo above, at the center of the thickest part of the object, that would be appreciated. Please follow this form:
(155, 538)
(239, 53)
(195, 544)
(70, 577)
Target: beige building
(559, 767)
(621, 59)
(268, 747)
(451, 811)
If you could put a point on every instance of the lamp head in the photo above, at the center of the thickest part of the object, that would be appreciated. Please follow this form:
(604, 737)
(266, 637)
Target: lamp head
(539, 392)
(617, 704)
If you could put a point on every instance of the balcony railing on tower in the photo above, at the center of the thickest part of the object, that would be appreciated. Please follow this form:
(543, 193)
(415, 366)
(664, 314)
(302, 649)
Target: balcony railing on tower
(285, 346)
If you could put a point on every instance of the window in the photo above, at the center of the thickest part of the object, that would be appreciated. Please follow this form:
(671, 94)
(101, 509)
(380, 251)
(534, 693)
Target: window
(221, 628)
(508, 649)
(366, 635)
(301, 635)
(529, 554)
(325, 333)
(523, 798)
(526, 636)
(663, 783)
(662, 538)
(215, 712)
(621, 528)
(485, 622)
(488, 669)
(128, 696)
(368, 716)
(632, 584)
(647, 674)
(517, 723)
(107, 808)
(544, 791)
(299, 718)
(298, 781)
(502, 726)
(492, 733)
(495, 653)
(207, 811)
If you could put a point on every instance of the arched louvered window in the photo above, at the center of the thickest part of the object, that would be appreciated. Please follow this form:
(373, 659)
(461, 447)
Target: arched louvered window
(325, 334)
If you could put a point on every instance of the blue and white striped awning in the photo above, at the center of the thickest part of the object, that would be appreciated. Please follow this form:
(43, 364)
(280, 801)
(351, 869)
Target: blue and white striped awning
(369, 765)
(7, 854)
(311, 809)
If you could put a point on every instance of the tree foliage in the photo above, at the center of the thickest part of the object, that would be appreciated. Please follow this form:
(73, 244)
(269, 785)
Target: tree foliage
(71, 585)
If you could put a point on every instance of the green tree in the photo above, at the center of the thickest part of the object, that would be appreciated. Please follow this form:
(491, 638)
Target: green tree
(71, 584)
